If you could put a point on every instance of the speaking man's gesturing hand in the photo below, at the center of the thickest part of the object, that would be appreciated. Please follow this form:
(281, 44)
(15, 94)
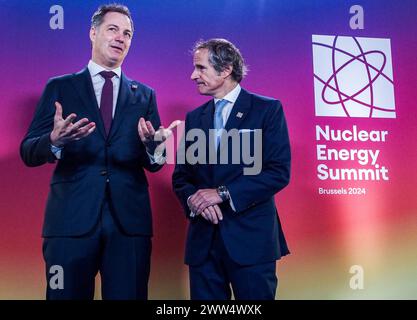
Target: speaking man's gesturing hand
(151, 138)
(65, 131)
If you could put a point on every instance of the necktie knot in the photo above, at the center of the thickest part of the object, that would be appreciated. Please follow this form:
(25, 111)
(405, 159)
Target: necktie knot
(220, 105)
(107, 74)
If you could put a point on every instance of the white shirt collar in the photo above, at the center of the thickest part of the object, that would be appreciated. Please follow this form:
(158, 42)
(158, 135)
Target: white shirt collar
(232, 95)
(95, 69)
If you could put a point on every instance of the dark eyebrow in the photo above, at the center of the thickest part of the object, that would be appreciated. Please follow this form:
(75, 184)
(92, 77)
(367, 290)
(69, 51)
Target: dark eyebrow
(113, 25)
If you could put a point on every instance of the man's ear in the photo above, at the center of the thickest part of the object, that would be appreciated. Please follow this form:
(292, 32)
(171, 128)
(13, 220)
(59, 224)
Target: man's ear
(93, 32)
(226, 72)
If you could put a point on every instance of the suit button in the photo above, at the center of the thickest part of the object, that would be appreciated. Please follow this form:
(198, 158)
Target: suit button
(103, 172)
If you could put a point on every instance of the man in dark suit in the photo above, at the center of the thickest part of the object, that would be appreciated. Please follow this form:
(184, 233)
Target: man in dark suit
(234, 235)
(98, 126)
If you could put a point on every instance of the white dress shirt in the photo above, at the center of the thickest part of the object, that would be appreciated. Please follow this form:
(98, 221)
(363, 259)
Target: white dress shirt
(98, 82)
(231, 98)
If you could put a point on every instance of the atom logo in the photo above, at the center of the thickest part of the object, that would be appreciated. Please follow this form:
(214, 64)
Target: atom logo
(353, 77)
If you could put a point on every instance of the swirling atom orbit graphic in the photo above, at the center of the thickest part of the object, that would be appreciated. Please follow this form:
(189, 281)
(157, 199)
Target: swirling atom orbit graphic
(343, 97)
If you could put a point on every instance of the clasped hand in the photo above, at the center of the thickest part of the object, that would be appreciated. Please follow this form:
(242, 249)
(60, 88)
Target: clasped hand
(205, 202)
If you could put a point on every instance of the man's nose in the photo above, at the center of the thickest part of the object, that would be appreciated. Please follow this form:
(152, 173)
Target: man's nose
(194, 75)
(119, 37)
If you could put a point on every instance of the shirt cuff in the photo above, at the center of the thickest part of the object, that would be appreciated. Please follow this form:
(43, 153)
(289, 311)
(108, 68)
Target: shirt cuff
(56, 151)
(157, 157)
(231, 203)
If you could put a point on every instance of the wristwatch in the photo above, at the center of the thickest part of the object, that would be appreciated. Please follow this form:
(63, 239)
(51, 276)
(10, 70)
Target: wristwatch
(223, 193)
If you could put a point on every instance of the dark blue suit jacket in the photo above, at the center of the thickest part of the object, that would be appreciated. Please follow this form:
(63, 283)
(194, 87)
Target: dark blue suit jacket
(253, 233)
(78, 184)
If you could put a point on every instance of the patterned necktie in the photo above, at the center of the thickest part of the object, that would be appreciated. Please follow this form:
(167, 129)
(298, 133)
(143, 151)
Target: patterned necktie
(218, 119)
(106, 103)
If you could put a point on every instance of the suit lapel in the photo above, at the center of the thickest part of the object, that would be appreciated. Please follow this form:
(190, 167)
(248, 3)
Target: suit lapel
(207, 118)
(83, 85)
(123, 101)
(239, 111)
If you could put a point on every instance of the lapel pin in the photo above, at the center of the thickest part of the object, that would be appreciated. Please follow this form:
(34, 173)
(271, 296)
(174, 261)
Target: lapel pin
(239, 114)
(134, 86)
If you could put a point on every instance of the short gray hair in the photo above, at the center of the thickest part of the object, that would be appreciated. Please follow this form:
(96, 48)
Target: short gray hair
(223, 54)
(98, 16)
